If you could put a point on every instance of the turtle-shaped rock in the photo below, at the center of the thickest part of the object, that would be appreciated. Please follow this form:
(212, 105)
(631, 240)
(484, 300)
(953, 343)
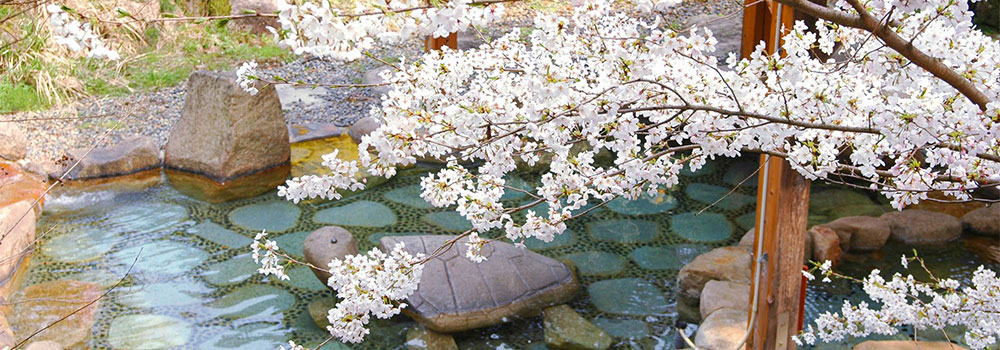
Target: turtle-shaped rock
(456, 294)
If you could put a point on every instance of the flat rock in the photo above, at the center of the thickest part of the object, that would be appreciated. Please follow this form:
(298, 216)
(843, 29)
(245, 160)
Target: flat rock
(17, 221)
(983, 221)
(724, 264)
(220, 235)
(421, 338)
(722, 330)
(644, 205)
(907, 345)
(719, 295)
(627, 296)
(826, 245)
(667, 258)
(230, 271)
(448, 220)
(15, 144)
(567, 330)
(133, 155)
(253, 301)
(42, 304)
(915, 226)
(860, 233)
(456, 294)
(226, 133)
(719, 196)
(362, 127)
(326, 244)
(166, 258)
(627, 329)
(44, 345)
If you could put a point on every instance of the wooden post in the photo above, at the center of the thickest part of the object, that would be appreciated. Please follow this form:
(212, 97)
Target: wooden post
(782, 212)
(436, 43)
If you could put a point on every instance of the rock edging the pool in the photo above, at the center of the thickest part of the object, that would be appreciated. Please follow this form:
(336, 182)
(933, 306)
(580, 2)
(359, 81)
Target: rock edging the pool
(715, 287)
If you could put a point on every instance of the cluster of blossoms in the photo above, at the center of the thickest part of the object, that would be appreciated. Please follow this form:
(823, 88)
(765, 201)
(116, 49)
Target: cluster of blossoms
(246, 76)
(618, 105)
(344, 175)
(75, 36)
(372, 284)
(270, 263)
(922, 305)
(322, 31)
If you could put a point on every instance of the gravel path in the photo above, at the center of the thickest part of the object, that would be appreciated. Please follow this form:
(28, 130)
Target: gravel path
(83, 123)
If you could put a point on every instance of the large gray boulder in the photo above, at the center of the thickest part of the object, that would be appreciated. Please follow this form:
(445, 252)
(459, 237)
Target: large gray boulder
(326, 244)
(224, 132)
(917, 227)
(256, 25)
(135, 154)
(13, 142)
(456, 294)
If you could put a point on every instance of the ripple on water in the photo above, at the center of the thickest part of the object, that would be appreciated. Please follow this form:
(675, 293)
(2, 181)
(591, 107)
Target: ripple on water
(257, 335)
(231, 271)
(80, 244)
(148, 332)
(624, 231)
(163, 294)
(146, 217)
(275, 216)
(628, 296)
(162, 257)
(253, 300)
(704, 227)
(628, 329)
(360, 213)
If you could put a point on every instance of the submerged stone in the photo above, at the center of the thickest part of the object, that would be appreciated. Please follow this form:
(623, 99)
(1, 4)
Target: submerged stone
(83, 244)
(163, 294)
(273, 216)
(302, 277)
(566, 329)
(254, 300)
(663, 258)
(628, 296)
(230, 271)
(449, 220)
(704, 227)
(644, 205)
(596, 263)
(45, 304)
(292, 243)
(408, 195)
(257, 335)
(318, 310)
(558, 241)
(623, 230)
(147, 331)
(709, 194)
(708, 168)
(220, 235)
(747, 221)
(146, 217)
(742, 171)
(628, 329)
(162, 257)
(360, 213)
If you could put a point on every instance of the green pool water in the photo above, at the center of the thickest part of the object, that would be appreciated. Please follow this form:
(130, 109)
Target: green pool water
(194, 285)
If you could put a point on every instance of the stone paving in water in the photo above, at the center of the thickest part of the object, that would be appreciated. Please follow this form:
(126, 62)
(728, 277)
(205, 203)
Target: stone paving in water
(194, 284)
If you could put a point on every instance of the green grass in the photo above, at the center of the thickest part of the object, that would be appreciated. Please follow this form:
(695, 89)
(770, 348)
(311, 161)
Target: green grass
(164, 62)
(19, 97)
